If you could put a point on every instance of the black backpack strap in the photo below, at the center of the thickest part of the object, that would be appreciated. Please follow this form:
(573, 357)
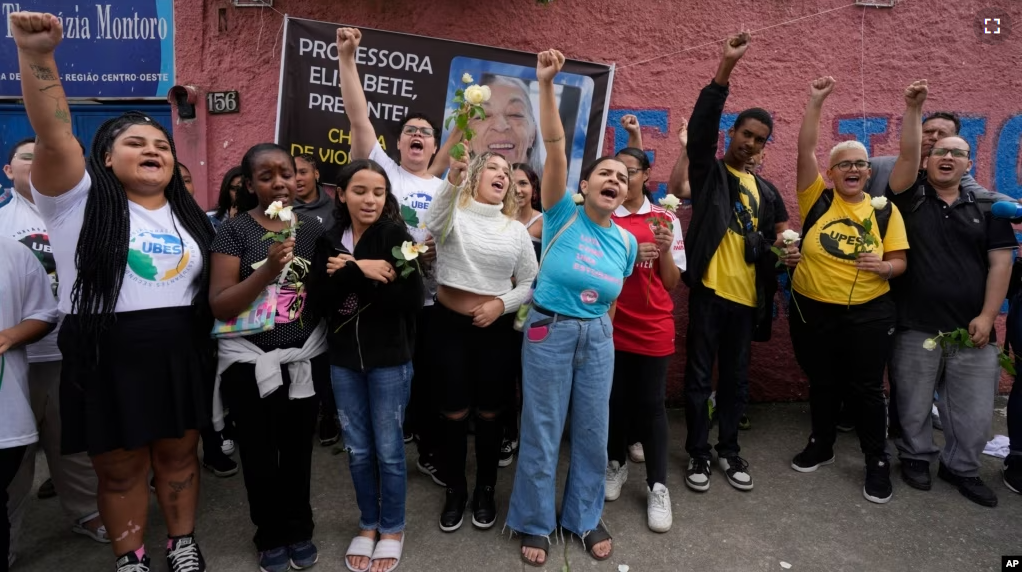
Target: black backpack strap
(818, 209)
(883, 216)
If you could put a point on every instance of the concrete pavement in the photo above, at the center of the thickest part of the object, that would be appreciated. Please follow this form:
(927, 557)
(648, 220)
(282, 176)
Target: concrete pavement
(814, 522)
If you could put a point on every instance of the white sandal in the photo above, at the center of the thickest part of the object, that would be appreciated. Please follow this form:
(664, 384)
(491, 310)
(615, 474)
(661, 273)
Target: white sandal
(389, 548)
(360, 546)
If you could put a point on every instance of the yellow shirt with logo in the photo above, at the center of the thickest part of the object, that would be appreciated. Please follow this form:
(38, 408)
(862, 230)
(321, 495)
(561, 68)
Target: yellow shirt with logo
(828, 267)
(728, 274)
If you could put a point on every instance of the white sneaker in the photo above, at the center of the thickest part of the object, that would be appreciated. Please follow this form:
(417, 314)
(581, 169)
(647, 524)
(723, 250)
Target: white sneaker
(636, 453)
(227, 447)
(615, 476)
(658, 509)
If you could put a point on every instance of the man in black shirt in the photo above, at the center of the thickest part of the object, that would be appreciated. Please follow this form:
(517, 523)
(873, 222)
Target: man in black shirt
(957, 277)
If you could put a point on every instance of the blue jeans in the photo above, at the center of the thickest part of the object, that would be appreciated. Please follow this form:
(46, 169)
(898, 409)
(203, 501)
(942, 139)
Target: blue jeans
(371, 406)
(569, 366)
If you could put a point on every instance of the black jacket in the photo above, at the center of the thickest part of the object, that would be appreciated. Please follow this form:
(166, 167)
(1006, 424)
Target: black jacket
(322, 209)
(714, 191)
(369, 324)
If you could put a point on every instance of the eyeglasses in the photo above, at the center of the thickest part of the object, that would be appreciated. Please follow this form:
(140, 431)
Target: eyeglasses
(957, 153)
(412, 130)
(25, 156)
(848, 165)
(633, 172)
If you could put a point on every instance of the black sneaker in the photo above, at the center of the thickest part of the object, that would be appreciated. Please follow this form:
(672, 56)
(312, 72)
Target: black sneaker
(737, 471)
(484, 509)
(427, 465)
(329, 432)
(407, 437)
(46, 490)
(1011, 472)
(813, 456)
(454, 509)
(698, 474)
(972, 488)
(508, 449)
(184, 555)
(916, 473)
(131, 563)
(878, 485)
(220, 464)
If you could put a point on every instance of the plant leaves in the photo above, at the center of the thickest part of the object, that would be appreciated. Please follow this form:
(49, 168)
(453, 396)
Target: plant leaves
(409, 269)
(447, 122)
(396, 253)
(459, 93)
(462, 121)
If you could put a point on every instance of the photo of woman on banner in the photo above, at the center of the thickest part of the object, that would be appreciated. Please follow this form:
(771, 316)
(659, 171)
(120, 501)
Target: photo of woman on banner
(510, 128)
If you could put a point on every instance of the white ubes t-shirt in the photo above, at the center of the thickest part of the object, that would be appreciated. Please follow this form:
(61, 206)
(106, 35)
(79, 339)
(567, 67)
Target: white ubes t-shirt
(163, 259)
(26, 295)
(414, 192)
(20, 220)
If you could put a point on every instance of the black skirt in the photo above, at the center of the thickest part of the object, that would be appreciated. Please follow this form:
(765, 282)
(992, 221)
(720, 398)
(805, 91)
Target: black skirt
(146, 378)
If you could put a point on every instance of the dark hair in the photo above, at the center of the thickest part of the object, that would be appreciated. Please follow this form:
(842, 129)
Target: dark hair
(102, 251)
(948, 116)
(592, 166)
(426, 118)
(22, 143)
(224, 203)
(644, 163)
(184, 167)
(247, 200)
(308, 158)
(343, 218)
(757, 114)
(26, 141)
(534, 181)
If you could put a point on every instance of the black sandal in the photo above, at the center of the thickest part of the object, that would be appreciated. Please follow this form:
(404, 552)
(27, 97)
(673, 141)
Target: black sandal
(595, 537)
(535, 541)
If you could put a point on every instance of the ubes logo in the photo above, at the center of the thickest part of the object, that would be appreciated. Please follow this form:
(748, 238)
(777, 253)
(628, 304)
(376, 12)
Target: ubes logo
(157, 256)
(840, 238)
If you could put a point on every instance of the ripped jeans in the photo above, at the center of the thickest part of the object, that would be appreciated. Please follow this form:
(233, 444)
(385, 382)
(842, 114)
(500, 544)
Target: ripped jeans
(371, 406)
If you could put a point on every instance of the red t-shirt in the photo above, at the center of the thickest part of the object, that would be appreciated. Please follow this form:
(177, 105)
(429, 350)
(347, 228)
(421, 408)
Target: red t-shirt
(643, 321)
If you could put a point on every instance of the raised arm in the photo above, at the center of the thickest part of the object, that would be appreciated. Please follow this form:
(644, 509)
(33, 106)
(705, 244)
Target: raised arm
(442, 208)
(58, 164)
(678, 182)
(555, 167)
(630, 123)
(364, 137)
(907, 166)
(807, 169)
(442, 159)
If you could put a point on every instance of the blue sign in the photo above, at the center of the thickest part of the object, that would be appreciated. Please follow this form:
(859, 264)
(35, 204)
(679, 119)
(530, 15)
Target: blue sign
(113, 50)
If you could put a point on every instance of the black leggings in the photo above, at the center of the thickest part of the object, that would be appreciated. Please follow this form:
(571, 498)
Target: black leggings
(844, 352)
(10, 461)
(637, 411)
(475, 367)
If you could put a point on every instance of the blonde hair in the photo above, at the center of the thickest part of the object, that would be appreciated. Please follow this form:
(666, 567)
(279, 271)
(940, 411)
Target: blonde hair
(846, 146)
(469, 189)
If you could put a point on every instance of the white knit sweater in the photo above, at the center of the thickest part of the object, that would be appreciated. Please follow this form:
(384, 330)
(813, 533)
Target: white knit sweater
(479, 249)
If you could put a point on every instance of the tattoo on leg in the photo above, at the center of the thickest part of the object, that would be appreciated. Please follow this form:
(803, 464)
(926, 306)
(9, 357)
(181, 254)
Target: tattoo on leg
(43, 73)
(178, 487)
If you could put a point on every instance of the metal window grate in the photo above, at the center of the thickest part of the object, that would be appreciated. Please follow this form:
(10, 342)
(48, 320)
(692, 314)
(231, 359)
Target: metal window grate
(253, 3)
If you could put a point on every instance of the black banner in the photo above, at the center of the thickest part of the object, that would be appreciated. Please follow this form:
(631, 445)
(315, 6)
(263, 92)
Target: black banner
(403, 74)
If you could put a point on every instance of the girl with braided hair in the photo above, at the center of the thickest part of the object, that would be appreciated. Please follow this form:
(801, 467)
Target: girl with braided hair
(132, 249)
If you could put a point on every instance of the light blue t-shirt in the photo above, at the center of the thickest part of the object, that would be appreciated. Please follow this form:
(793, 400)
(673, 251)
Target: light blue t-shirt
(582, 274)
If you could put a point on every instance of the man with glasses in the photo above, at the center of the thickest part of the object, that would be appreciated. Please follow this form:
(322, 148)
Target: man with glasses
(73, 477)
(957, 278)
(937, 125)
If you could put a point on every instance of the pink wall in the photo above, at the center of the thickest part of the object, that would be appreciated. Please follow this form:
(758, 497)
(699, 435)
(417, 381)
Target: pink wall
(933, 41)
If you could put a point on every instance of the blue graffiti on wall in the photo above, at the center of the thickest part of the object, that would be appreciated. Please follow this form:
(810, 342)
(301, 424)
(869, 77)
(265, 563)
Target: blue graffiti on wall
(862, 129)
(656, 119)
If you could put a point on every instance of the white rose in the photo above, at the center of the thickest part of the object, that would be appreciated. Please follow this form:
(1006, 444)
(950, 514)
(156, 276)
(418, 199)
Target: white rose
(274, 208)
(578, 198)
(421, 248)
(486, 93)
(474, 95)
(669, 202)
(466, 78)
(284, 214)
(878, 203)
(930, 344)
(409, 251)
(789, 236)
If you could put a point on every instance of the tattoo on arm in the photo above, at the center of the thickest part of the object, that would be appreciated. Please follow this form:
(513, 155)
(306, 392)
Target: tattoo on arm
(43, 73)
(63, 113)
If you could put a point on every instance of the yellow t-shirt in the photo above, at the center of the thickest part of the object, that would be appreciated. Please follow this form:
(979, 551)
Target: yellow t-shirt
(828, 267)
(728, 274)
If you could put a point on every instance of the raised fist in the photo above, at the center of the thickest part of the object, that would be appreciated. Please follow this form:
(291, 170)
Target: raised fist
(348, 41)
(822, 86)
(630, 123)
(916, 93)
(548, 64)
(736, 46)
(35, 32)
